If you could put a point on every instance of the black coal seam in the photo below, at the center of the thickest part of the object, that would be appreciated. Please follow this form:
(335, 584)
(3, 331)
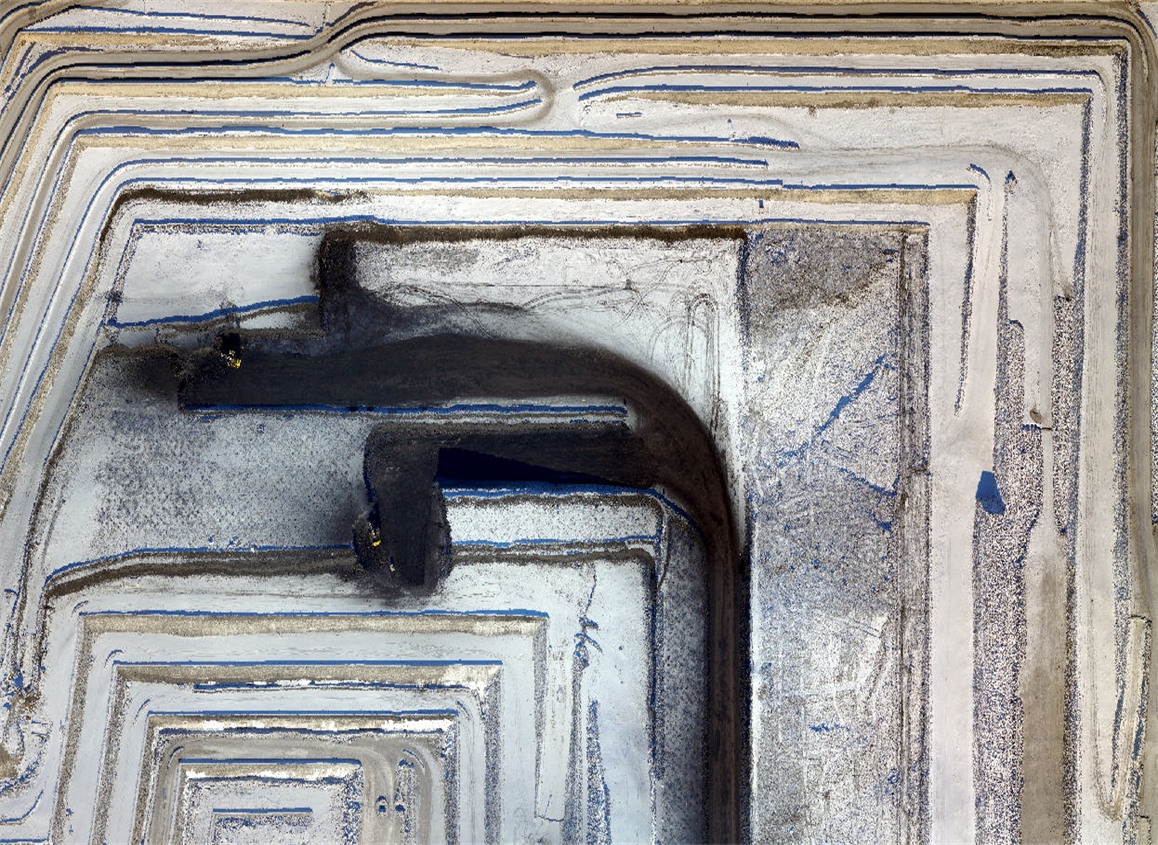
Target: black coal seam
(674, 449)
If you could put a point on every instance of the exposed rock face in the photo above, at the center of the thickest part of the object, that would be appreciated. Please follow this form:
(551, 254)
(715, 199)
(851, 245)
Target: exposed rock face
(602, 425)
